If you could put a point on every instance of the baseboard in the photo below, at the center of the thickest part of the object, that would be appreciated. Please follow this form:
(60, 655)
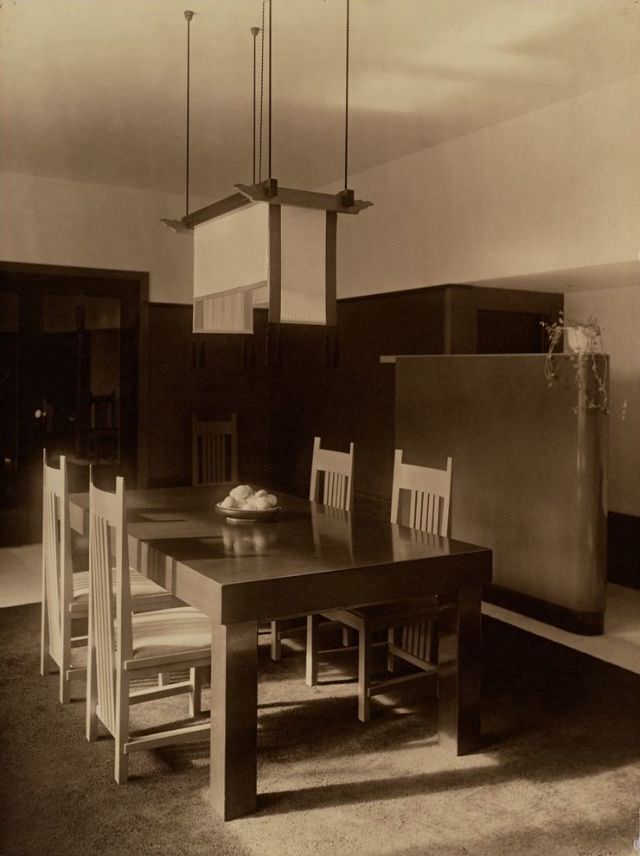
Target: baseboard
(584, 623)
(623, 549)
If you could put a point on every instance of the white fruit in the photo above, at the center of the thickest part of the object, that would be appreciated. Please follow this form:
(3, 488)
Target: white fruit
(260, 503)
(229, 502)
(260, 493)
(241, 493)
(272, 500)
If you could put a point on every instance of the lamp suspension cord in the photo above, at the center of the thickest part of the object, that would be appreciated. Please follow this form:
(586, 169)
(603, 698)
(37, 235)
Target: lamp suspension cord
(269, 124)
(188, 15)
(254, 33)
(261, 95)
(346, 98)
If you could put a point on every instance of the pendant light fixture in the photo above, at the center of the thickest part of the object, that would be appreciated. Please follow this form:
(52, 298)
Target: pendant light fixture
(266, 244)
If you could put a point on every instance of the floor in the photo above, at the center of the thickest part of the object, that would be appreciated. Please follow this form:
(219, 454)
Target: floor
(620, 643)
(20, 575)
(20, 583)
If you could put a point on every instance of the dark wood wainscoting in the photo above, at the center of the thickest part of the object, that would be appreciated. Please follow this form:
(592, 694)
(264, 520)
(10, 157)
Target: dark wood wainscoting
(623, 549)
(289, 383)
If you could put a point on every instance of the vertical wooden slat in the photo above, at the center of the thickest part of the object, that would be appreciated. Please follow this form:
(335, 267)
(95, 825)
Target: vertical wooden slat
(331, 267)
(52, 573)
(103, 619)
(435, 529)
(275, 263)
(412, 509)
(216, 446)
(423, 641)
(396, 485)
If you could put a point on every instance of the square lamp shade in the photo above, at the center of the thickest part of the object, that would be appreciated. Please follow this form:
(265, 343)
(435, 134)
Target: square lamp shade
(264, 254)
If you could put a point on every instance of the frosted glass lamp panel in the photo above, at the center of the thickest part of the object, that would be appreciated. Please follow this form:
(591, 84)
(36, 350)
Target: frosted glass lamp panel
(303, 248)
(230, 263)
(261, 297)
(229, 312)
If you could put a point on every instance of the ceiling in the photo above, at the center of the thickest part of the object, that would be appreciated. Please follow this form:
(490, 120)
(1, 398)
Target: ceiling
(95, 90)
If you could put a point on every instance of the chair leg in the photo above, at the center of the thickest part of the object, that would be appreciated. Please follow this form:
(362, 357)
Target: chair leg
(121, 769)
(45, 660)
(391, 640)
(195, 696)
(65, 661)
(91, 727)
(364, 675)
(276, 643)
(311, 666)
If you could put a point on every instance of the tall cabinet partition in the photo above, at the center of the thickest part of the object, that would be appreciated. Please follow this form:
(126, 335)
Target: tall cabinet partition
(530, 472)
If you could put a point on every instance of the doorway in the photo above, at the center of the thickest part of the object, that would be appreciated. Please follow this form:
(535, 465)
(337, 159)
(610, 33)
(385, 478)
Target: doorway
(69, 382)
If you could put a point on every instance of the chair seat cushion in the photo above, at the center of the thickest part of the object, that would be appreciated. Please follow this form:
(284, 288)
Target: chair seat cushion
(141, 586)
(170, 631)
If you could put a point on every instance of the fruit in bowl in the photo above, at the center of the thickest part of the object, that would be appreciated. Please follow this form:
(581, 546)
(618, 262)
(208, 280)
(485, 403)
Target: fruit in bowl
(245, 498)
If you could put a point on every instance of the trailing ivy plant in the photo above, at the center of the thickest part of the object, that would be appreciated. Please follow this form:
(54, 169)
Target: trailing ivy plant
(584, 339)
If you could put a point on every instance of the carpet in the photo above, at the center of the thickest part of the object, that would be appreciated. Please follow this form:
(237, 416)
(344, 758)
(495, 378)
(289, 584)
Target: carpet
(559, 775)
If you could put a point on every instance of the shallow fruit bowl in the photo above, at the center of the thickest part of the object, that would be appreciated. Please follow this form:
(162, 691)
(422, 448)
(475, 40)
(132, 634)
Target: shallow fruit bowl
(248, 513)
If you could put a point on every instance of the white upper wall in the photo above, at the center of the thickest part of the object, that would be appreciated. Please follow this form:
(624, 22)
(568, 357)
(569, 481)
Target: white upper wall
(554, 189)
(71, 223)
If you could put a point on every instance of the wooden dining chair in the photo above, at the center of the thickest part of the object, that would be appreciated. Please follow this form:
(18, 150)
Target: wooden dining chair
(65, 594)
(331, 483)
(214, 456)
(428, 492)
(125, 646)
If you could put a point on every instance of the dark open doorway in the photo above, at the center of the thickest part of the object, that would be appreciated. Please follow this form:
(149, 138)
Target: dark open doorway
(69, 381)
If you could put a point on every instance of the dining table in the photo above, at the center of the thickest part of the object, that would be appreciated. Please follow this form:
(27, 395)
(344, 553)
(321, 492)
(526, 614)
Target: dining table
(304, 559)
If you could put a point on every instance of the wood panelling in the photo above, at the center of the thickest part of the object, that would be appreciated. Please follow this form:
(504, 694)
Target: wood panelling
(623, 550)
(288, 383)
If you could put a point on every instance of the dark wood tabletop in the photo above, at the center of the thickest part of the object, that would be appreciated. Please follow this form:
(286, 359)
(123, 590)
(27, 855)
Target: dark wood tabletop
(305, 559)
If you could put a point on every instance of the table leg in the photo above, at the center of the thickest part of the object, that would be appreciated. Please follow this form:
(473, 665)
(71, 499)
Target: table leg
(469, 675)
(234, 712)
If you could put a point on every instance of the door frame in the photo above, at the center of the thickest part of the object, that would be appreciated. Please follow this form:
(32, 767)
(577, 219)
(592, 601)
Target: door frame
(133, 289)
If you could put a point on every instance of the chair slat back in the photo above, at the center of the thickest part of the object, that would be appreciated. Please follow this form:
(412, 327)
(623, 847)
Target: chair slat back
(337, 471)
(109, 592)
(214, 451)
(56, 549)
(429, 495)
